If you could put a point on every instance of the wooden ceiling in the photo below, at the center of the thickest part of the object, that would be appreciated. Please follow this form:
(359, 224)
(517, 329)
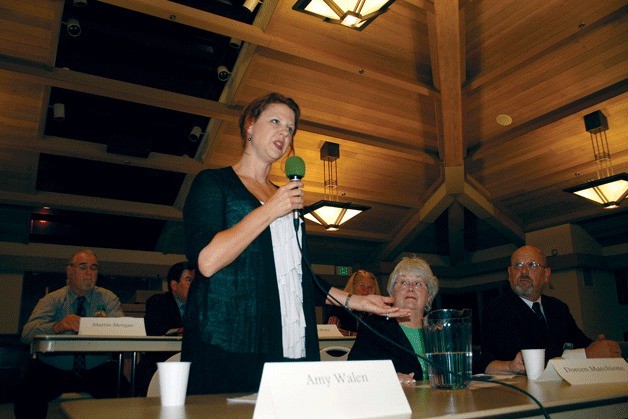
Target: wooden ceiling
(412, 100)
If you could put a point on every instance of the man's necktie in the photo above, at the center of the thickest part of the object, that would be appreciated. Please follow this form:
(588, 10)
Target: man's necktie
(79, 359)
(537, 310)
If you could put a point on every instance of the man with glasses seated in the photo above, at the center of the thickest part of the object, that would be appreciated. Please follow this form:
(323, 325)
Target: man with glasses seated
(525, 319)
(60, 312)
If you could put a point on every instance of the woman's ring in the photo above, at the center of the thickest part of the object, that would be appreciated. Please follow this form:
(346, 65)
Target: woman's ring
(387, 316)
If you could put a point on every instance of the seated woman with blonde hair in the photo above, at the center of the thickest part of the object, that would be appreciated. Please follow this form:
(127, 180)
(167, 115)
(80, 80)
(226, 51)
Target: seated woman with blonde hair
(360, 283)
(413, 287)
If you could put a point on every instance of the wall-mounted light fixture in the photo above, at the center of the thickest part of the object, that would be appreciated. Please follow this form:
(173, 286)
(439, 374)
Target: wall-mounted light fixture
(352, 14)
(58, 112)
(330, 213)
(608, 189)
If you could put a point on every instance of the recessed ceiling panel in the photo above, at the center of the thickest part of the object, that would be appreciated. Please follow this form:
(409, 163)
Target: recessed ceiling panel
(105, 180)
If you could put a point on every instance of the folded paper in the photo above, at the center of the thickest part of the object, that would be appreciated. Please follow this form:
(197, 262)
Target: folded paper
(586, 371)
(112, 326)
(342, 389)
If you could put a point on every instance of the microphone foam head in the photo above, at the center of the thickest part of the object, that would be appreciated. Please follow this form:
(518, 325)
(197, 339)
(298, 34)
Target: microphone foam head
(295, 166)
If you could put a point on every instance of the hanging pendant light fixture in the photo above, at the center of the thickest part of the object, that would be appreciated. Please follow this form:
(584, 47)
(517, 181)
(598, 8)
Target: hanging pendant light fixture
(330, 213)
(354, 14)
(611, 190)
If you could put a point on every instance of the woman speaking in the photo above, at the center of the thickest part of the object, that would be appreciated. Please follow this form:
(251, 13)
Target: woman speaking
(253, 299)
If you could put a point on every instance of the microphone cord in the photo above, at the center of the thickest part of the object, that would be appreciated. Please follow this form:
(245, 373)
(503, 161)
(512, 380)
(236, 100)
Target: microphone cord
(362, 323)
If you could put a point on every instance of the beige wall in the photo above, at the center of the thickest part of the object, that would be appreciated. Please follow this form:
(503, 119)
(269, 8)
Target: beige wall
(11, 285)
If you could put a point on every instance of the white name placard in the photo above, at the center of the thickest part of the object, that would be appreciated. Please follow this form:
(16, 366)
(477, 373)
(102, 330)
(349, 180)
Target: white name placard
(328, 331)
(341, 389)
(112, 326)
(587, 371)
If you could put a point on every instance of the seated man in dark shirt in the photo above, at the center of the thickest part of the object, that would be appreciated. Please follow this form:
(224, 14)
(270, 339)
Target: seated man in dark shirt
(163, 313)
(525, 319)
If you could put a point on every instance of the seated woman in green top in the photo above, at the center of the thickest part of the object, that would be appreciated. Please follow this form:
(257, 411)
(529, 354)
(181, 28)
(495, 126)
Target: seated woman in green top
(412, 286)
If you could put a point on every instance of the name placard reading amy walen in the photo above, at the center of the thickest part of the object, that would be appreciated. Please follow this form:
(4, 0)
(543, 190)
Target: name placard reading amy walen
(321, 389)
(591, 371)
(112, 326)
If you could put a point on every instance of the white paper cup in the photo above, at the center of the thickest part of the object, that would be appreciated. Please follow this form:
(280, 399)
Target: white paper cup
(173, 382)
(534, 361)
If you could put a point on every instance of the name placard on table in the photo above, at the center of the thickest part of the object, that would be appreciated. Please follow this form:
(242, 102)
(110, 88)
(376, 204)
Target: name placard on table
(586, 371)
(339, 389)
(112, 326)
(327, 331)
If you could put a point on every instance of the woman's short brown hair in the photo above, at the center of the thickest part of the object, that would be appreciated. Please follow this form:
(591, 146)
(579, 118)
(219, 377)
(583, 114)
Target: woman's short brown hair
(256, 107)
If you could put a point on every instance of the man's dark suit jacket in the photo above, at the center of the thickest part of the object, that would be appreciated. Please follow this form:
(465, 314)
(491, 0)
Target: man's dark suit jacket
(369, 347)
(509, 325)
(162, 314)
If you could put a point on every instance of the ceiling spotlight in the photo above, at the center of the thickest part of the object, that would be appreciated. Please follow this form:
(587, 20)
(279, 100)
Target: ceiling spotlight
(58, 112)
(504, 120)
(223, 73)
(235, 43)
(195, 134)
(73, 27)
(251, 4)
(80, 3)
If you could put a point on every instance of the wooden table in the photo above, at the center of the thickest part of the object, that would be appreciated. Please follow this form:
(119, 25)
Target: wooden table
(559, 398)
(48, 344)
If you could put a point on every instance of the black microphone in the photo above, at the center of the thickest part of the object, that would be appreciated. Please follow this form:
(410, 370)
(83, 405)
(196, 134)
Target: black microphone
(295, 170)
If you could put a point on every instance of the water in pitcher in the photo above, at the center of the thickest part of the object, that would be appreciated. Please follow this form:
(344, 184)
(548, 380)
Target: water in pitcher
(448, 348)
(450, 370)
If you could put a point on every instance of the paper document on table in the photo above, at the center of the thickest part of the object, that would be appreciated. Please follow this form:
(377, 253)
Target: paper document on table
(248, 399)
(328, 331)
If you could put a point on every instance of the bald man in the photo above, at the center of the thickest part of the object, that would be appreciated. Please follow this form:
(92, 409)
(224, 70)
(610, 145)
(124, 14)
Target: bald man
(514, 321)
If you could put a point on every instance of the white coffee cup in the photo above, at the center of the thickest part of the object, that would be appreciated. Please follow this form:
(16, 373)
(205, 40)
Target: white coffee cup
(173, 382)
(534, 361)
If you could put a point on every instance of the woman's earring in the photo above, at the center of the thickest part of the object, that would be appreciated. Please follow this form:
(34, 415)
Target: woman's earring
(249, 139)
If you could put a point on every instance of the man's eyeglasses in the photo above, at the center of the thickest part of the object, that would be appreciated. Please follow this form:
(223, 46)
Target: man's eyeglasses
(85, 267)
(532, 266)
(411, 284)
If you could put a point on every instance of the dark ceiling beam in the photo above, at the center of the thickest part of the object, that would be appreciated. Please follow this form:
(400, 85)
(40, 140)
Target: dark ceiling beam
(504, 223)
(73, 80)
(224, 26)
(93, 204)
(438, 201)
(101, 86)
(65, 147)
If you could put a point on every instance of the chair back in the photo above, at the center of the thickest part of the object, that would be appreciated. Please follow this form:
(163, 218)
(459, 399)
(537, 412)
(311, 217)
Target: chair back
(335, 353)
(153, 387)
